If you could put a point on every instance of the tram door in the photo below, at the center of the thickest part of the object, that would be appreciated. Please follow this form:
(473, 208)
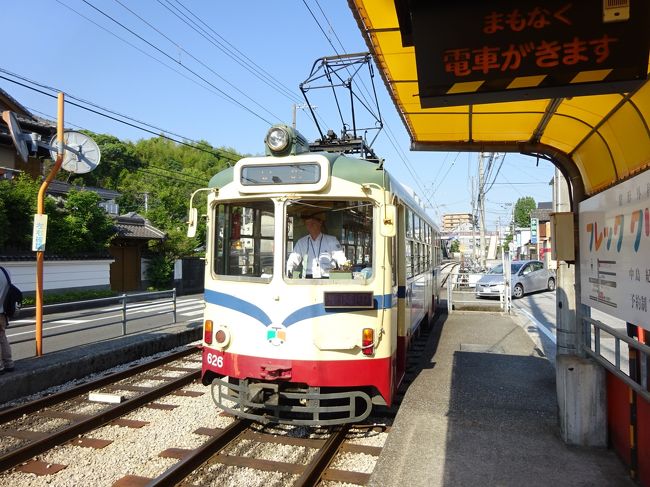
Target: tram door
(399, 272)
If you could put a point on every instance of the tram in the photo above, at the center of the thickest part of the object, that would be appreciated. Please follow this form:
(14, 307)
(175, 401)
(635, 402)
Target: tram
(282, 344)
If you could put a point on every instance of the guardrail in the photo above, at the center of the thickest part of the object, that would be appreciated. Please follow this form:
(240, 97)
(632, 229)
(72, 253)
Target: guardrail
(126, 304)
(461, 290)
(637, 354)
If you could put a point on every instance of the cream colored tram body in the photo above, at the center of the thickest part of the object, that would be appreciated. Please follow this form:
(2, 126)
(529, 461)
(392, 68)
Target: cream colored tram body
(279, 346)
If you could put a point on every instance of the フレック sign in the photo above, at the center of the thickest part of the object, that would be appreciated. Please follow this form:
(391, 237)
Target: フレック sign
(615, 251)
(474, 51)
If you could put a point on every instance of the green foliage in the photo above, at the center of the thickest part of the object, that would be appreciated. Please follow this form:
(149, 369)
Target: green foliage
(166, 172)
(160, 271)
(523, 207)
(17, 207)
(454, 246)
(70, 296)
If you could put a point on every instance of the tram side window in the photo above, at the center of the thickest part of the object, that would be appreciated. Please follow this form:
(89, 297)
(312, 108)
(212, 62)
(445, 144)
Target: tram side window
(244, 239)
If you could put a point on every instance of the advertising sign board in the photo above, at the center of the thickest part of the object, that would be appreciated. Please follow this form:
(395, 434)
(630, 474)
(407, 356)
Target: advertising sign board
(615, 250)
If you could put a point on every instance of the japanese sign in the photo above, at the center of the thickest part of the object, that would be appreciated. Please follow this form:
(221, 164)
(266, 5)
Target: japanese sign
(39, 234)
(533, 230)
(615, 250)
(481, 52)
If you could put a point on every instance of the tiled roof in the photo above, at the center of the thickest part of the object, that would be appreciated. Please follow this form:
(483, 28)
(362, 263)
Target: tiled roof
(62, 188)
(135, 226)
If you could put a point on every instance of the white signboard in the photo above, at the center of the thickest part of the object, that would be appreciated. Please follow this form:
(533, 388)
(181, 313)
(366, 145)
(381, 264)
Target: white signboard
(40, 233)
(615, 251)
(534, 222)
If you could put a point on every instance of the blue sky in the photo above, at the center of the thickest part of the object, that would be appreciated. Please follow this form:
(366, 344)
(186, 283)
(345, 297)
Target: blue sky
(177, 78)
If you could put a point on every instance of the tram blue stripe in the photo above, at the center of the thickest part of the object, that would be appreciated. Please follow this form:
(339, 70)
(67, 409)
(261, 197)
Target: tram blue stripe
(316, 310)
(237, 304)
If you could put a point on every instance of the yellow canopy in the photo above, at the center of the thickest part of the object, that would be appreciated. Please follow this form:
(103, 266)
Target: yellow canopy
(596, 140)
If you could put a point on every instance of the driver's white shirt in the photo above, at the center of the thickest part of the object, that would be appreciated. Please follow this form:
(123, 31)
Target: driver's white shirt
(318, 255)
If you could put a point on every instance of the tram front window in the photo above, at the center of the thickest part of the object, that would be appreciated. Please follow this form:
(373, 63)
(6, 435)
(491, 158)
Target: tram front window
(329, 239)
(243, 239)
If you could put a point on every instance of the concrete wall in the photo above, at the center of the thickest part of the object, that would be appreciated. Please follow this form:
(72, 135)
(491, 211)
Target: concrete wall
(63, 275)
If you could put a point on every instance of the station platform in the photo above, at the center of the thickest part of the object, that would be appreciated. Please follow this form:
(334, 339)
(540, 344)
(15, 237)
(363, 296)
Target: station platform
(483, 411)
(36, 374)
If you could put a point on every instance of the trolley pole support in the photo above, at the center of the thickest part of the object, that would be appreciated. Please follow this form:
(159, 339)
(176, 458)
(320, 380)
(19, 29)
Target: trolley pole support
(40, 211)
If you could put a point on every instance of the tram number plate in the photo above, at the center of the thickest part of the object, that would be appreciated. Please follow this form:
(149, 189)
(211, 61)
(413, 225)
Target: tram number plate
(215, 360)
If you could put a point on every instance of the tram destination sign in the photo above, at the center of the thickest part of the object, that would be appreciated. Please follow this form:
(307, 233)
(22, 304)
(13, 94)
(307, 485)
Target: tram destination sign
(472, 51)
(615, 251)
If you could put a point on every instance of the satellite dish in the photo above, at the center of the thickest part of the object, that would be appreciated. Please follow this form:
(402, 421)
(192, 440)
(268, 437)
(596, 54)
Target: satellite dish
(81, 154)
(16, 134)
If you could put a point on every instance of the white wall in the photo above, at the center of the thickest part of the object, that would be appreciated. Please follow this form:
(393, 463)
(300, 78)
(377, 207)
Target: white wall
(61, 274)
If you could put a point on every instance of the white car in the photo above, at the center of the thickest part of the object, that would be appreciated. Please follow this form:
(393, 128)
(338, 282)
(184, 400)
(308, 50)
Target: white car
(527, 276)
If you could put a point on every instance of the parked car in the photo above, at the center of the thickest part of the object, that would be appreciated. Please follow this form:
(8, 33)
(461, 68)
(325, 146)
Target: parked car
(527, 276)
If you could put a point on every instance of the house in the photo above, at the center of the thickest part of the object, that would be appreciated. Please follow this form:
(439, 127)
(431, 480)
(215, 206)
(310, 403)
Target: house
(126, 260)
(10, 161)
(128, 248)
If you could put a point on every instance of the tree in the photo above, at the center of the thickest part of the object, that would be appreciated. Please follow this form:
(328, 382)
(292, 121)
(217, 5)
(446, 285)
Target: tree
(17, 207)
(523, 207)
(454, 246)
(82, 226)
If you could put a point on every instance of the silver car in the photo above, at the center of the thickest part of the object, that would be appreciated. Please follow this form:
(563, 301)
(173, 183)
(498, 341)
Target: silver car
(527, 276)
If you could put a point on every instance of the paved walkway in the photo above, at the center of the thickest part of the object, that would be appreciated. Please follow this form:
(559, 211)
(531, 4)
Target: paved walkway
(483, 412)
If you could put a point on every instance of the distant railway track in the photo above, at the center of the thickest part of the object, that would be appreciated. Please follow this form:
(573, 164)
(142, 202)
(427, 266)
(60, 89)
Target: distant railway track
(16, 422)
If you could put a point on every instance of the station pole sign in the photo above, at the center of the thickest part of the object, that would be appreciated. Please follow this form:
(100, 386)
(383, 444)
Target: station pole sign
(534, 223)
(615, 251)
(473, 51)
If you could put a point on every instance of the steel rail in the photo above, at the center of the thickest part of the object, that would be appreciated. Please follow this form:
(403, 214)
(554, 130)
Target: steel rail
(317, 467)
(30, 407)
(34, 448)
(189, 464)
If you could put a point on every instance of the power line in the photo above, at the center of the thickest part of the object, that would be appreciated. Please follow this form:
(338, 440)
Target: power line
(178, 46)
(238, 56)
(218, 153)
(233, 100)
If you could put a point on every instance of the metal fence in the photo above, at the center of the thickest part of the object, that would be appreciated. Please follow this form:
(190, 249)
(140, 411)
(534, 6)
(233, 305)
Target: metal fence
(461, 293)
(126, 305)
(617, 359)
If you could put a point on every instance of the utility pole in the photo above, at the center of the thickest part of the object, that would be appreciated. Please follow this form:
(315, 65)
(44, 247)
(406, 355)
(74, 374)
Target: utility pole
(294, 107)
(481, 209)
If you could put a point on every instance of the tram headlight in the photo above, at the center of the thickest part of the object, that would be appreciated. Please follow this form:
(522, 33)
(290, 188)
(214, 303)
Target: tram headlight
(278, 139)
(221, 336)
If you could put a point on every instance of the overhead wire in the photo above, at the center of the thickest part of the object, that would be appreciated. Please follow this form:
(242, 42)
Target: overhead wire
(214, 152)
(188, 178)
(233, 100)
(149, 55)
(230, 50)
(206, 66)
(389, 133)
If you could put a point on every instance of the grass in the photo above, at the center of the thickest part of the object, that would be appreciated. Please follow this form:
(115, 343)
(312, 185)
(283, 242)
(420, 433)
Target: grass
(67, 297)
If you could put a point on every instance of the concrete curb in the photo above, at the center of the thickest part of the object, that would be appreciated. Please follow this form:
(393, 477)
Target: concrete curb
(36, 374)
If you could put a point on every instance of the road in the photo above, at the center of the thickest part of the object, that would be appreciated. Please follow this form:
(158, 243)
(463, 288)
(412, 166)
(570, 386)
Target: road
(101, 323)
(538, 313)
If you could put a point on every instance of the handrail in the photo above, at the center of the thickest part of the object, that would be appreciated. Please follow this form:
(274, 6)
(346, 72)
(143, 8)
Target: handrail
(643, 352)
(90, 309)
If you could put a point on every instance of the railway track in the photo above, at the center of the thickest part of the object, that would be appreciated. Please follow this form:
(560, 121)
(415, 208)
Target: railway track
(195, 467)
(22, 423)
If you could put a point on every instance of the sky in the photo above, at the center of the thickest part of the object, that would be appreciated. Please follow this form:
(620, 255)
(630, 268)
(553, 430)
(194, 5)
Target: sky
(223, 72)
